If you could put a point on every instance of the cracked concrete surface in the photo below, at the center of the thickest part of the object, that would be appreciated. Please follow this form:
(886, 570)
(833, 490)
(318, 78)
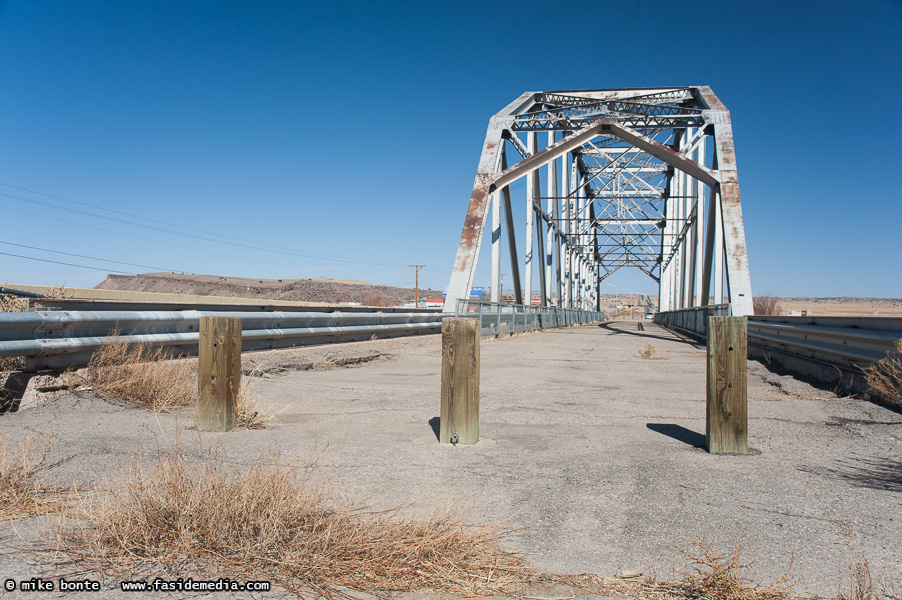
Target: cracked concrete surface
(594, 453)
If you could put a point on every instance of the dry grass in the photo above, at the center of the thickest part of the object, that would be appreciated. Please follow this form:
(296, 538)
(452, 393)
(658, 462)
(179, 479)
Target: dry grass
(147, 377)
(716, 575)
(884, 378)
(275, 521)
(648, 352)
(24, 491)
(862, 585)
(765, 304)
(249, 415)
(139, 375)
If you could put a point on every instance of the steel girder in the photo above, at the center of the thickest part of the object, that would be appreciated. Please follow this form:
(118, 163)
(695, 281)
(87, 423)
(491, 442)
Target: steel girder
(626, 174)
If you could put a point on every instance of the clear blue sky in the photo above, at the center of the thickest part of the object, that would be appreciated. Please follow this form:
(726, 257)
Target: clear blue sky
(347, 133)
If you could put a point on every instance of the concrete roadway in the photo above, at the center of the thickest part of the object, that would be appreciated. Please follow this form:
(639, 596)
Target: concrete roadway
(592, 451)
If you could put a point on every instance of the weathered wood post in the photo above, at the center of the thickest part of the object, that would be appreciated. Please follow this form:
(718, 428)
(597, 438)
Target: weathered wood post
(726, 427)
(460, 381)
(218, 373)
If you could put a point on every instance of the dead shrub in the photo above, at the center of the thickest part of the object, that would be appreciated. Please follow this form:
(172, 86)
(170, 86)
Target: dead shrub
(648, 352)
(862, 584)
(275, 521)
(249, 415)
(765, 304)
(24, 491)
(148, 377)
(884, 377)
(374, 298)
(139, 375)
(717, 576)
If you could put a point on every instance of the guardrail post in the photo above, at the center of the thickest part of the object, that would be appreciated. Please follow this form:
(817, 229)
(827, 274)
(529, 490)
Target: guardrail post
(459, 422)
(726, 425)
(218, 373)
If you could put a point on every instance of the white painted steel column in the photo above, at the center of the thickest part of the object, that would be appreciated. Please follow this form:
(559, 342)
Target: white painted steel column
(581, 227)
(717, 274)
(700, 229)
(571, 178)
(496, 247)
(549, 234)
(530, 189)
(674, 247)
(665, 301)
(687, 250)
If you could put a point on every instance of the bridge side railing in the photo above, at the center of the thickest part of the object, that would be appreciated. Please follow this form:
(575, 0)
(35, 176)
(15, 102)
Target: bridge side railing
(693, 321)
(498, 318)
(835, 350)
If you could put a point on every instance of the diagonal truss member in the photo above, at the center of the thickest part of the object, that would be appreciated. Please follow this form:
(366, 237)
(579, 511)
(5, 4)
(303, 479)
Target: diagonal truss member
(642, 178)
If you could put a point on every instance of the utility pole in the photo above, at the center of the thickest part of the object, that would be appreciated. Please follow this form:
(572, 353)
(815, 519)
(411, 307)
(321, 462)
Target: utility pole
(416, 302)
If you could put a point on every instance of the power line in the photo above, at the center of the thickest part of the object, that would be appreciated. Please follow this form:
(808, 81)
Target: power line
(254, 245)
(56, 262)
(95, 258)
(137, 237)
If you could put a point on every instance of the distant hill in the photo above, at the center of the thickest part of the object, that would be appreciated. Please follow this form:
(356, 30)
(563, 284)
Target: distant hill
(318, 289)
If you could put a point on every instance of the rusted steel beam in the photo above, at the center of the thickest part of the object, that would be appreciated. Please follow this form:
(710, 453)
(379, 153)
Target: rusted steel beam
(464, 269)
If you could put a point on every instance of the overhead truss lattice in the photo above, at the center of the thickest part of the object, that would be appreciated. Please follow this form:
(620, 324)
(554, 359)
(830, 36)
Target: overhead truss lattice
(641, 178)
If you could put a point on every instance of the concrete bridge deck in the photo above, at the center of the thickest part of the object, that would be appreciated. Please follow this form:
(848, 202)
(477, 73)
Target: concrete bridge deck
(592, 450)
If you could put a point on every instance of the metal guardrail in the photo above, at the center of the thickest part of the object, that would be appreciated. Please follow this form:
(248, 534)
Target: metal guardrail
(850, 342)
(61, 339)
(501, 318)
(91, 304)
(812, 344)
(693, 321)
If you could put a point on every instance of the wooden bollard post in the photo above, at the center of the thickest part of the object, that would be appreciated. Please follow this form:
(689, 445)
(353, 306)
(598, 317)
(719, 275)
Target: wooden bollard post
(460, 381)
(218, 373)
(726, 427)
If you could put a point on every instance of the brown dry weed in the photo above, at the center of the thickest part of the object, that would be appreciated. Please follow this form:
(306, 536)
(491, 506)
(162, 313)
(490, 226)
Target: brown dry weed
(24, 491)
(647, 352)
(717, 575)
(276, 521)
(139, 375)
(148, 377)
(884, 377)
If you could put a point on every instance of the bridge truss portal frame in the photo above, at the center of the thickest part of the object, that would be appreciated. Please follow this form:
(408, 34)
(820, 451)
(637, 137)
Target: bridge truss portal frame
(631, 175)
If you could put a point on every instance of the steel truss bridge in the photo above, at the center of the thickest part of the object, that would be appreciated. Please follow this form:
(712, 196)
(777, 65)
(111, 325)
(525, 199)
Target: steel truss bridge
(643, 178)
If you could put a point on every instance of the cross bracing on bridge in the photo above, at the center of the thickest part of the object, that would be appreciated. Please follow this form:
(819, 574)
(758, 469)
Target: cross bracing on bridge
(643, 178)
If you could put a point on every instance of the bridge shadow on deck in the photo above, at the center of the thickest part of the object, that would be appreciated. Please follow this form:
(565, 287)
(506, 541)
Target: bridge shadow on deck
(631, 328)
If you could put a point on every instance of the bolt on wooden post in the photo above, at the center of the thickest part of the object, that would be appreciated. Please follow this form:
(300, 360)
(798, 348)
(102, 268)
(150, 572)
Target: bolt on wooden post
(218, 373)
(726, 427)
(459, 422)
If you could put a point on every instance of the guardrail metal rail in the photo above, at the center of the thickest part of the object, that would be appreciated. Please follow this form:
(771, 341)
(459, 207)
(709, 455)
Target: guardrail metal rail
(500, 318)
(67, 338)
(835, 350)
